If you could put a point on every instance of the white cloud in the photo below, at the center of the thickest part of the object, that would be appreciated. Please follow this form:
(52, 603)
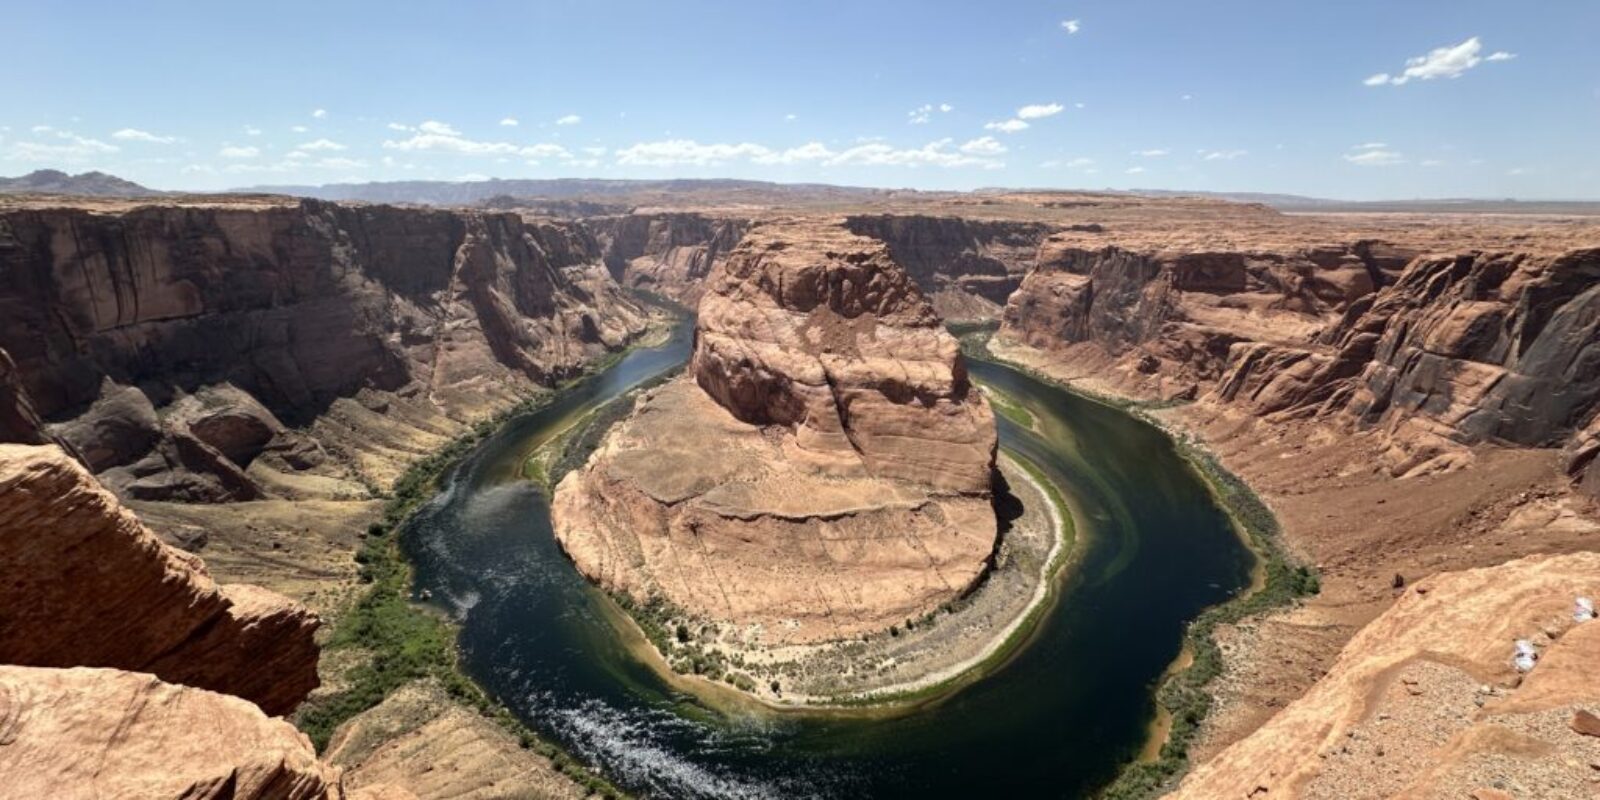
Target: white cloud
(251, 130)
(320, 113)
(1153, 153)
(1075, 163)
(680, 152)
(136, 135)
(788, 118)
(298, 128)
(322, 144)
(983, 146)
(808, 152)
(1008, 126)
(1071, 26)
(1374, 154)
(1187, 97)
(545, 151)
(1515, 171)
(397, 126)
(1223, 155)
(231, 151)
(938, 154)
(437, 136)
(1040, 111)
(509, 122)
(921, 114)
(570, 119)
(1433, 162)
(1451, 61)
(594, 151)
(65, 147)
(340, 163)
(438, 128)
(673, 152)
(472, 177)
(1134, 170)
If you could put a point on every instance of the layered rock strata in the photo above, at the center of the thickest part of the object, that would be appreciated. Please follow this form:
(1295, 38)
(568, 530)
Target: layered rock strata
(669, 253)
(175, 345)
(823, 471)
(1438, 352)
(967, 267)
(88, 585)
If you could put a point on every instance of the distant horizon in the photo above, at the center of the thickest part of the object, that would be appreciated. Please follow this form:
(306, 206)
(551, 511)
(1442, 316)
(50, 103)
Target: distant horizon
(1358, 101)
(268, 188)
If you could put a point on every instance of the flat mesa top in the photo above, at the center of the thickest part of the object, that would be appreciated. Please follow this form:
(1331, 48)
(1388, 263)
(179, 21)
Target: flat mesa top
(1080, 219)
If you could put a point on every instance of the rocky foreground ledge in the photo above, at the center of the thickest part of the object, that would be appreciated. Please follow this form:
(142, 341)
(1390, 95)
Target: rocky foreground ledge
(823, 471)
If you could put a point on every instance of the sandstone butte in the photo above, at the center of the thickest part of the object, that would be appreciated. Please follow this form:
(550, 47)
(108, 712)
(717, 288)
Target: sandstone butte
(822, 471)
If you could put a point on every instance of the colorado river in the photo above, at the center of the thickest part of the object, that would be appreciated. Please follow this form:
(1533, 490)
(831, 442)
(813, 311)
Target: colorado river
(1056, 720)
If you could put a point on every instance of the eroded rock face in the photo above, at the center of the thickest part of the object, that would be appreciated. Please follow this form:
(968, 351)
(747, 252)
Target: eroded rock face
(817, 330)
(271, 314)
(88, 585)
(1424, 701)
(1438, 352)
(823, 471)
(967, 267)
(109, 733)
(670, 254)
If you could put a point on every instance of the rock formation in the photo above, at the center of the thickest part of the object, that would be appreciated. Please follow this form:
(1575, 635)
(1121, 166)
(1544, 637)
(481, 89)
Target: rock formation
(670, 254)
(271, 314)
(823, 471)
(1425, 702)
(967, 267)
(107, 733)
(88, 585)
(1436, 351)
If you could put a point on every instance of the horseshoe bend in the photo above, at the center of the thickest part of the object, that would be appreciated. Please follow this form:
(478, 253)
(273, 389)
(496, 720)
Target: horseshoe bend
(929, 400)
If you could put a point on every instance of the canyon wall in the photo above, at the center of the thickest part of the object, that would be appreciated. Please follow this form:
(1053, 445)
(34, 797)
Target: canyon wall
(668, 253)
(173, 346)
(967, 267)
(1436, 351)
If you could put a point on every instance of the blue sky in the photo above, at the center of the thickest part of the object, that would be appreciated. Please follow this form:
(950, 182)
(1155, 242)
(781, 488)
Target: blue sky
(1482, 99)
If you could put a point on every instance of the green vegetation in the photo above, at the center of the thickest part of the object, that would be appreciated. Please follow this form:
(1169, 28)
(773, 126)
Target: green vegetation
(1186, 694)
(404, 641)
(1007, 406)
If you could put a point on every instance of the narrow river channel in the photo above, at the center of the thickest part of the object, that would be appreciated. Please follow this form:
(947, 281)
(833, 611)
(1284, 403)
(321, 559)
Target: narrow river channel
(1055, 721)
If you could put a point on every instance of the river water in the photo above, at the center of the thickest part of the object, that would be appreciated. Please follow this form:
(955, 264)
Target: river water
(1055, 721)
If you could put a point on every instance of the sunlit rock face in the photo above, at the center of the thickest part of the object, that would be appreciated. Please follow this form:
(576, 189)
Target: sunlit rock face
(824, 468)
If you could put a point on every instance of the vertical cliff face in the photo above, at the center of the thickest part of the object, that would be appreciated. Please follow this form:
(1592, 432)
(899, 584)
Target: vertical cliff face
(275, 313)
(668, 253)
(967, 267)
(1436, 351)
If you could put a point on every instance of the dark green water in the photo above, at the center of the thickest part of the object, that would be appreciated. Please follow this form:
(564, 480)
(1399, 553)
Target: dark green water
(1056, 721)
